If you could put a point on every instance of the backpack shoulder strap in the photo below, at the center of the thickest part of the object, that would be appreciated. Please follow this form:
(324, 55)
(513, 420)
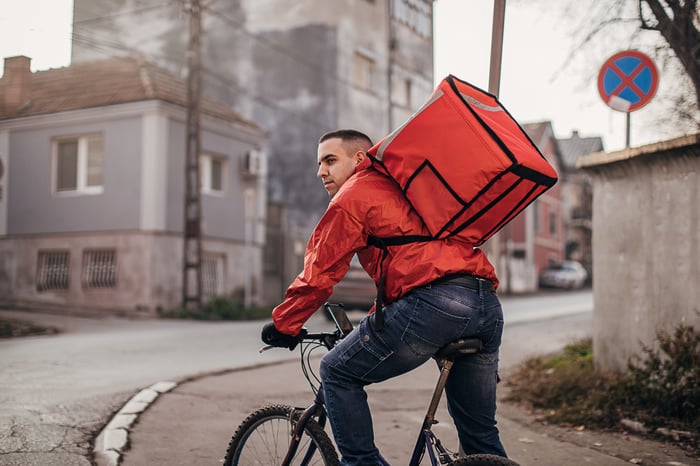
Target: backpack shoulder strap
(383, 244)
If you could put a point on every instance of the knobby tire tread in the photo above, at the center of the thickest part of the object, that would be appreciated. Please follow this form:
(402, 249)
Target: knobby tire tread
(325, 447)
(484, 460)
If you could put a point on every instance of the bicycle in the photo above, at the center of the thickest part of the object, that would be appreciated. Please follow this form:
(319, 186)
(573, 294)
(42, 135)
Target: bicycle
(282, 435)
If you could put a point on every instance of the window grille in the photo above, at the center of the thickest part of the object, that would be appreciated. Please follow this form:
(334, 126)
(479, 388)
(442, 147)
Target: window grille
(212, 274)
(100, 268)
(53, 270)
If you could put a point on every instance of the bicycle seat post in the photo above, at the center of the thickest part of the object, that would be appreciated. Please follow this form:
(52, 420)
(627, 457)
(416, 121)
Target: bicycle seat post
(446, 358)
(445, 367)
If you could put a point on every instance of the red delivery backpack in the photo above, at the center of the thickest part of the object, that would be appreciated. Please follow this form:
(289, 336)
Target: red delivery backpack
(464, 164)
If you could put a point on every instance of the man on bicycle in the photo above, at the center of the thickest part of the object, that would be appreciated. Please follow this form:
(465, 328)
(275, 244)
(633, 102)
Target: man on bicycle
(434, 293)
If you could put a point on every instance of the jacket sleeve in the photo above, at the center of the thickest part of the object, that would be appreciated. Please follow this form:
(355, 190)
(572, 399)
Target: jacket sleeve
(333, 242)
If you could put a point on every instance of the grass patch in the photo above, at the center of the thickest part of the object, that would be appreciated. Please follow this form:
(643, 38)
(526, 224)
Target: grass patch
(19, 328)
(660, 389)
(218, 308)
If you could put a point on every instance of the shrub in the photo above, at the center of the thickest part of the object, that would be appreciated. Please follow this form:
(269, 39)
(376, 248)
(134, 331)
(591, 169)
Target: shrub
(664, 384)
(660, 389)
(19, 328)
(218, 308)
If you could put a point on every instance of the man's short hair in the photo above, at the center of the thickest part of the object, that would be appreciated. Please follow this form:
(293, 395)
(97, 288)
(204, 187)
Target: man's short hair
(347, 135)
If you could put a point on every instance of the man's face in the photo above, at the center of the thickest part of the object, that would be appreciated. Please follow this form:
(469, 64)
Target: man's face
(335, 164)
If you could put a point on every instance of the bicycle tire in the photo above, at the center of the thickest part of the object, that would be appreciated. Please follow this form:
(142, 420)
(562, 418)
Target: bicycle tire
(483, 460)
(263, 439)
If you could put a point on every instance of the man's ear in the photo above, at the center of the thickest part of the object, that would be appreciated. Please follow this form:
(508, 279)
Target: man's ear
(359, 157)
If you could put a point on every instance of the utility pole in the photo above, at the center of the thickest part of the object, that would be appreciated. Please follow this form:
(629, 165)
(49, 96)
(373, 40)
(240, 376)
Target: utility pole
(192, 234)
(499, 15)
(390, 62)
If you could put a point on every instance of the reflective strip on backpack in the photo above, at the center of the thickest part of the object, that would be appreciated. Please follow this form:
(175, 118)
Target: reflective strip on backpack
(380, 151)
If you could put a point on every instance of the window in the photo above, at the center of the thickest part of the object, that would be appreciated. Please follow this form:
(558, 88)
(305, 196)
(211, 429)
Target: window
(99, 268)
(401, 91)
(416, 14)
(212, 173)
(53, 270)
(78, 164)
(552, 223)
(363, 71)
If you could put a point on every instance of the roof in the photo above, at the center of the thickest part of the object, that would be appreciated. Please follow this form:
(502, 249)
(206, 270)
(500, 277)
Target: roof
(689, 144)
(574, 147)
(538, 132)
(109, 82)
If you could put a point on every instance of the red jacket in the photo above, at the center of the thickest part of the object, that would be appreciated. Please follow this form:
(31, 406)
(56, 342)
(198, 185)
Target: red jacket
(369, 203)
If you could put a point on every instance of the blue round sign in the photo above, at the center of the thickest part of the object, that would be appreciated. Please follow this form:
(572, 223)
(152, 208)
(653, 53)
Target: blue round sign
(627, 81)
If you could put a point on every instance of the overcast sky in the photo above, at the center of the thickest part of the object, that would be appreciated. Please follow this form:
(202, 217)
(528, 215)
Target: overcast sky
(536, 45)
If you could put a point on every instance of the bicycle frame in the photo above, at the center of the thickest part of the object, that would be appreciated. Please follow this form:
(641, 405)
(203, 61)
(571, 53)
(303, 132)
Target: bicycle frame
(426, 438)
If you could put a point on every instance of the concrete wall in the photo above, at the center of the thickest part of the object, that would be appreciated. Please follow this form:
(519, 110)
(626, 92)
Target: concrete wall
(35, 208)
(148, 276)
(646, 245)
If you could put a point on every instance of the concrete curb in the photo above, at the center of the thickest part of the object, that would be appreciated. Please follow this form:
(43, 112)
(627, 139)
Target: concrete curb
(113, 441)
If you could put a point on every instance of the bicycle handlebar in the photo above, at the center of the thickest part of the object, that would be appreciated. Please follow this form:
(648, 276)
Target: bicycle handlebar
(327, 339)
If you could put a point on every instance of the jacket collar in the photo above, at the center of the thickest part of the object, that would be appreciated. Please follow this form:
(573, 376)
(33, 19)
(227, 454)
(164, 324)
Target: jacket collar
(365, 164)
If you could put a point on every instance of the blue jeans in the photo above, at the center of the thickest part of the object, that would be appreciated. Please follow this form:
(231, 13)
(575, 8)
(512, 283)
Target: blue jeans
(415, 328)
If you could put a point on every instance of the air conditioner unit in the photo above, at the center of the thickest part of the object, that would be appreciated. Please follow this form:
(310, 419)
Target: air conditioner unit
(251, 163)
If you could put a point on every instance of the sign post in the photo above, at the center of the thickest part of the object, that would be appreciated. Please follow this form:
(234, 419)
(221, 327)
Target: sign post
(627, 81)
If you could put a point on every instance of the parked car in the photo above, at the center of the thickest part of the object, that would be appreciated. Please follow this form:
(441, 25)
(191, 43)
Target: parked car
(568, 274)
(356, 290)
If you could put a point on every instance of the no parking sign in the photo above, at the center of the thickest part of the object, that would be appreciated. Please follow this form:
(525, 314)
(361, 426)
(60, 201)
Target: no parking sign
(627, 81)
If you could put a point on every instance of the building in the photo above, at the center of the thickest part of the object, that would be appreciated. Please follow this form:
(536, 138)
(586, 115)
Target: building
(535, 238)
(296, 67)
(91, 213)
(577, 196)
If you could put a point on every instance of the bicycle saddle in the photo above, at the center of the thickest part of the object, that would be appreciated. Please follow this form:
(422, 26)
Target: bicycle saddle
(459, 348)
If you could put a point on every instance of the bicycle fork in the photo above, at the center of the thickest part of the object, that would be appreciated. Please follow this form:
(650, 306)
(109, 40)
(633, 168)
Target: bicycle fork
(426, 439)
(298, 429)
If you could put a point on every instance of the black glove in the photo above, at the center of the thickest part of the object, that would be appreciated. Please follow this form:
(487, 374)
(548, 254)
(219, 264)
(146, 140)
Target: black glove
(273, 337)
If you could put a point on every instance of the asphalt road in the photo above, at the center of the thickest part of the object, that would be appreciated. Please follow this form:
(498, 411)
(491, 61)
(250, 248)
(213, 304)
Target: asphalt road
(57, 392)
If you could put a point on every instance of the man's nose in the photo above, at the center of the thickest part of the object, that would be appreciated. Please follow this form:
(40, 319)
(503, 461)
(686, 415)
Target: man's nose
(321, 171)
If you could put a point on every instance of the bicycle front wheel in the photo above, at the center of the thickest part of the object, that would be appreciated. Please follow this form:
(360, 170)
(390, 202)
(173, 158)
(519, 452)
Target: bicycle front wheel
(483, 460)
(263, 439)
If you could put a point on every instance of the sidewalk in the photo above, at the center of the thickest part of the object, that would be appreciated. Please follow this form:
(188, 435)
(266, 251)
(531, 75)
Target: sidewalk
(192, 423)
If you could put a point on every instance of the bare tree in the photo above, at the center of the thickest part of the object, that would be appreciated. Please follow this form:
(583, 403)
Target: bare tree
(677, 21)
(669, 30)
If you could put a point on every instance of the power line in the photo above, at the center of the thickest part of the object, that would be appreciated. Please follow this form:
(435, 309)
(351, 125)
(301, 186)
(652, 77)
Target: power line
(97, 19)
(104, 46)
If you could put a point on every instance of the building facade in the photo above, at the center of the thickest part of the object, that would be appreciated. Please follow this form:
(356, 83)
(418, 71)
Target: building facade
(577, 196)
(91, 213)
(298, 68)
(535, 238)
